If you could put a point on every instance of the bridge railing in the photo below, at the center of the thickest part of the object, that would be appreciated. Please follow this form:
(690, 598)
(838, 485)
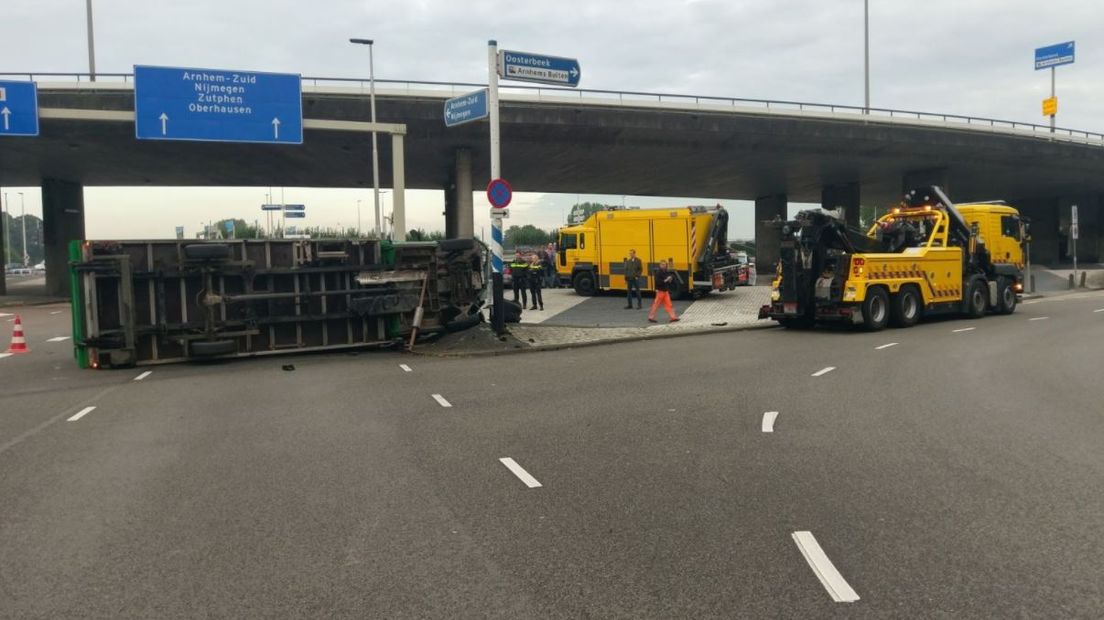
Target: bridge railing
(627, 98)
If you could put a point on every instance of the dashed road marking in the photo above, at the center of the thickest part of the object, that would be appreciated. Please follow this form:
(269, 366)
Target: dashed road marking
(824, 371)
(441, 400)
(56, 312)
(768, 421)
(80, 414)
(4, 314)
(825, 571)
(886, 346)
(522, 475)
(143, 375)
(964, 329)
(57, 339)
(3, 355)
(1099, 310)
(1038, 318)
(405, 367)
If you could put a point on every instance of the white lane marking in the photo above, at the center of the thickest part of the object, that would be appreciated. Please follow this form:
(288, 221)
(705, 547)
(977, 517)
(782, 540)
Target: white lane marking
(1098, 310)
(441, 400)
(829, 577)
(404, 367)
(964, 329)
(824, 371)
(80, 414)
(768, 421)
(1038, 318)
(56, 312)
(143, 375)
(57, 339)
(885, 346)
(3, 355)
(522, 475)
(4, 314)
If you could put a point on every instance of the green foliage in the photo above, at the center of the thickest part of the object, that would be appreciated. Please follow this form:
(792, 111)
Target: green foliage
(419, 234)
(13, 233)
(527, 236)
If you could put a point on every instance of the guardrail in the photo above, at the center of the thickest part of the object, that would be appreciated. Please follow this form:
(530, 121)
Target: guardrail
(631, 97)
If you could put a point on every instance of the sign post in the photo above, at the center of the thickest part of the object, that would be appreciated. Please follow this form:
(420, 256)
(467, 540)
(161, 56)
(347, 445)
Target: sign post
(1074, 233)
(498, 317)
(1050, 57)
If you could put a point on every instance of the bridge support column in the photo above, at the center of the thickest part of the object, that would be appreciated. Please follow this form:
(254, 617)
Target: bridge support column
(767, 238)
(62, 222)
(459, 211)
(3, 250)
(1044, 229)
(398, 188)
(846, 196)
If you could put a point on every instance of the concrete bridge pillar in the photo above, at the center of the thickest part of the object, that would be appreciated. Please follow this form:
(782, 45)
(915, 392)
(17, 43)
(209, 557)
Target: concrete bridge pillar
(846, 196)
(459, 211)
(62, 222)
(768, 238)
(1044, 229)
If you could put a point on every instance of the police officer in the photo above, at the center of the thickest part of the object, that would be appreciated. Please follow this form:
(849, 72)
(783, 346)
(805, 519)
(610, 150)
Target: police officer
(536, 280)
(519, 274)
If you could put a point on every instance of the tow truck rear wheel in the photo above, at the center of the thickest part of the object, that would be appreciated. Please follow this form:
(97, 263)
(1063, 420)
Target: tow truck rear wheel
(1006, 297)
(875, 309)
(906, 307)
(977, 299)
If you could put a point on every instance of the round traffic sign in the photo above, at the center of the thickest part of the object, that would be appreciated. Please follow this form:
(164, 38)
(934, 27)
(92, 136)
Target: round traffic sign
(499, 193)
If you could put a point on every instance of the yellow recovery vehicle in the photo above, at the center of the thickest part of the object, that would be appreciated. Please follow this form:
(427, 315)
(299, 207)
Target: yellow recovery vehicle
(926, 256)
(693, 240)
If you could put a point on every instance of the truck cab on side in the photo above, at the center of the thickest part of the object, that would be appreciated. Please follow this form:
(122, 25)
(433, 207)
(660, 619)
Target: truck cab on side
(693, 240)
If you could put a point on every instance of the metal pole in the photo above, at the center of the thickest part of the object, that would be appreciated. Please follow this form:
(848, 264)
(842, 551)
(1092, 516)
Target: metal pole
(91, 43)
(1052, 96)
(498, 318)
(7, 231)
(866, 55)
(358, 218)
(23, 216)
(375, 148)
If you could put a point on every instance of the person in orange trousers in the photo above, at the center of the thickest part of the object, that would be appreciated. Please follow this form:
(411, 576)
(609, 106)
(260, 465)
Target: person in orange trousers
(663, 283)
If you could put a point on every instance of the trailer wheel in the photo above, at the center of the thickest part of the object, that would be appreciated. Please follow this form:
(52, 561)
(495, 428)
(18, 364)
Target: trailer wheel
(1006, 297)
(906, 307)
(875, 309)
(201, 348)
(584, 283)
(977, 299)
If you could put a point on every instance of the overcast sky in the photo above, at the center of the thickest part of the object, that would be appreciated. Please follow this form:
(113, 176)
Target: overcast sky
(955, 56)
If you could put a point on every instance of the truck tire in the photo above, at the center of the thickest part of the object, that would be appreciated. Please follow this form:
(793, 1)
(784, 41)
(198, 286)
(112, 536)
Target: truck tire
(905, 310)
(1006, 297)
(211, 348)
(875, 309)
(977, 299)
(207, 251)
(584, 283)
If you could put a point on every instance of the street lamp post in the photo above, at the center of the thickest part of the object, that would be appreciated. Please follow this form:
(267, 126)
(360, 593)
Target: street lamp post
(375, 148)
(23, 216)
(866, 55)
(91, 43)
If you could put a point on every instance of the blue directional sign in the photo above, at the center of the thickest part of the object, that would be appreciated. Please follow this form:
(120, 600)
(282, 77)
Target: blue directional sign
(18, 109)
(217, 105)
(1054, 55)
(466, 108)
(294, 214)
(295, 207)
(271, 207)
(528, 67)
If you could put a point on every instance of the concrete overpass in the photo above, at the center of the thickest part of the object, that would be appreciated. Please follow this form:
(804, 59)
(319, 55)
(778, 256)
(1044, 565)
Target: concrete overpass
(585, 141)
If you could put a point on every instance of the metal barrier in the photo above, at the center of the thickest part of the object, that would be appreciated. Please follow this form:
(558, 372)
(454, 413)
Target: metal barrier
(630, 98)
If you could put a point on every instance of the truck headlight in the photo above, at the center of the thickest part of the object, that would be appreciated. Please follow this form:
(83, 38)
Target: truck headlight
(775, 296)
(849, 293)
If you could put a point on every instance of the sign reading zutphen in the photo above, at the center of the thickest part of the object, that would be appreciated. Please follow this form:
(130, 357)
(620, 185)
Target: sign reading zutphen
(18, 109)
(528, 67)
(1054, 55)
(466, 108)
(216, 105)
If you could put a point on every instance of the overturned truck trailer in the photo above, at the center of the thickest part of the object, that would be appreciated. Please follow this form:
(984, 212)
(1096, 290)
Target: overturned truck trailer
(150, 302)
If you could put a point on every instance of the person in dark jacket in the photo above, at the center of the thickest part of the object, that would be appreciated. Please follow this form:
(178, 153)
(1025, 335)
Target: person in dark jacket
(536, 279)
(633, 271)
(548, 262)
(519, 277)
(664, 282)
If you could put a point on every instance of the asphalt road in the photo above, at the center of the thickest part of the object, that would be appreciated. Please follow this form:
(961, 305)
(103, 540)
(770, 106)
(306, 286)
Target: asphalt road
(952, 474)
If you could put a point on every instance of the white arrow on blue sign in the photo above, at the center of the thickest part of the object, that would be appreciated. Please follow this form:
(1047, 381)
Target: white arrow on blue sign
(172, 103)
(18, 109)
(466, 108)
(1054, 55)
(527, 67)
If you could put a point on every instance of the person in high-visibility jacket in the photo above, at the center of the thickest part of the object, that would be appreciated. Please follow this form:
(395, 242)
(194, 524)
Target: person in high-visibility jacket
(664, 281)
(519, 276)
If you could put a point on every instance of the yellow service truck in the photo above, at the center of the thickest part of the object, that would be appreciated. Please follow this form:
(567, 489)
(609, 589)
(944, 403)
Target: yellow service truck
(926, 256)
(693, 241)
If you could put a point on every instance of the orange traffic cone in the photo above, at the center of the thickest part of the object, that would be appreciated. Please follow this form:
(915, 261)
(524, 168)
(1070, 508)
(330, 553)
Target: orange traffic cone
(18, 343)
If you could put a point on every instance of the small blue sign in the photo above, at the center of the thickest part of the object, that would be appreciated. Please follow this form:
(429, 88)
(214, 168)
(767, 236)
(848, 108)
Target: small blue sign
(1054, 55)
(527, 67)
(295, 214)
(173, 103)
(229, 225)
(466, 108)
(18, 109)
(499, 193)
(295, 207)
(271, 207)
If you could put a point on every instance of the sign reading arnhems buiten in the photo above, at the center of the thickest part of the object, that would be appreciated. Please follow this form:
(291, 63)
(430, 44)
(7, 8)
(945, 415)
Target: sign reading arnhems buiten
(173, 103)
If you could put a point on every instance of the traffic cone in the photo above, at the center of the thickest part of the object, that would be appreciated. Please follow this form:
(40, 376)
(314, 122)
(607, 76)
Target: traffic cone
(18, 343)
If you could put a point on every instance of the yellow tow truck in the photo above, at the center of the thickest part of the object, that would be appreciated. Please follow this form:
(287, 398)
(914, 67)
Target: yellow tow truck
(926, 256)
